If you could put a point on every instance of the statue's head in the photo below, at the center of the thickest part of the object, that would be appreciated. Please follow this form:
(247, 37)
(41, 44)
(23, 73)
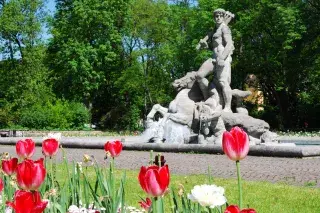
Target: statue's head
(219, 15)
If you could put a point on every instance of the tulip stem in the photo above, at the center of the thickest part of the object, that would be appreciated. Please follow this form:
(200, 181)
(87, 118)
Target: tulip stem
(151, 157)
(239, 183)
(52, 187)
(113, 189)
(158, 205)
(159, 160)
(51, 168)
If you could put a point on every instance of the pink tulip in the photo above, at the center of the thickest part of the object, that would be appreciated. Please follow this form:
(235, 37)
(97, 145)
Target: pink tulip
(9, 166)
(25, 148)
(50, 147)
(236, 209)
(27, 202)
(235, 144)
(113, 147)
(31, 174)
(146, 204)
(154, 180)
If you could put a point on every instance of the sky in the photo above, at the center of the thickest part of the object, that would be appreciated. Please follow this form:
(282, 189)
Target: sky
(51, 5)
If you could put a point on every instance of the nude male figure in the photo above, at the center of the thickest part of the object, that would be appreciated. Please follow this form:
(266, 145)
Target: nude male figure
(220, 42)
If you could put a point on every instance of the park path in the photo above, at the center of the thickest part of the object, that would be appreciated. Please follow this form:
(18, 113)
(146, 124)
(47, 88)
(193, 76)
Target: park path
(293, 171)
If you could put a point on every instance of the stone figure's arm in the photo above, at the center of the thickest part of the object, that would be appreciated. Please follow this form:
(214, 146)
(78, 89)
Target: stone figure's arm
(203, 43)
(228, 17)
(227, 37)
(157, 108)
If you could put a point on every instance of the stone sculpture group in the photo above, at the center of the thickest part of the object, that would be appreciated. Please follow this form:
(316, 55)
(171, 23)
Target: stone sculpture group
(203, 110)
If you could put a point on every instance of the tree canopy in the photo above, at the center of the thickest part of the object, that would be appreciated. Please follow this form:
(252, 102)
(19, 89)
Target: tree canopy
(119, 57)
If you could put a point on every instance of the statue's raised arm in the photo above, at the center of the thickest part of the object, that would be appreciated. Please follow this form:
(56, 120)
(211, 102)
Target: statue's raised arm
(203, 43)
(228, 17)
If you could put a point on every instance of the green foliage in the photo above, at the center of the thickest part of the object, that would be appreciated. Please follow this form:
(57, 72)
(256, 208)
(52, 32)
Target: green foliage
(7, 118)
(269, 37)
(158, 47)
(257, 194)
(119, 57)
(23, 79)
(58, 115)
(27, 83)
(84, 58)
(20, 25)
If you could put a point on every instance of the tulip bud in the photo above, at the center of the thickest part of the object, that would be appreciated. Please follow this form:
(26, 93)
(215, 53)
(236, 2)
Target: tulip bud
(114, 148)
(9, 166)
(159, 160)
(5, 156)
(79, 167)
(236, 209)
(235, 144)
(146, 204)
(25, 148)
(27, 202)
(86, 158)
(31, 174)
(53, 192)
(248, 211)
(180, 190)
(232, 209)
(154, 180)
(50, 147)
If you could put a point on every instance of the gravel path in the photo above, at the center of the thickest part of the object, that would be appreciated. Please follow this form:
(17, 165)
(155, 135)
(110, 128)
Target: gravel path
(289, 170)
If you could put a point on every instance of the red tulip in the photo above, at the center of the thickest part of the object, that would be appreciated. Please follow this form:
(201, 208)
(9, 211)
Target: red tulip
(9, 166)
(50, 147)
(1, 185)
(248, 211)
(154, 180)
(27, 202)
(235, 144)
(232, 209)
(235, 209)
(31, 174)
(113, 147)
(25, 148)
(146, 204)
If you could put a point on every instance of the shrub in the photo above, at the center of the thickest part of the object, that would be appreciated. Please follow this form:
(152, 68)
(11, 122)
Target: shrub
(58, 115)
(6, 115)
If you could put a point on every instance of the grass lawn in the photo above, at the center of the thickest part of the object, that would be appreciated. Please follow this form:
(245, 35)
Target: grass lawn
(265, 197)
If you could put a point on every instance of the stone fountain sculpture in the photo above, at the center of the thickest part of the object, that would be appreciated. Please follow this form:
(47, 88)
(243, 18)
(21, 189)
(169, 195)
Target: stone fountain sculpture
(203, 110)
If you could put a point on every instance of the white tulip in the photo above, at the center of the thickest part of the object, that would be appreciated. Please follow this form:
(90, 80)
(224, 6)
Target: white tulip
(208, 195)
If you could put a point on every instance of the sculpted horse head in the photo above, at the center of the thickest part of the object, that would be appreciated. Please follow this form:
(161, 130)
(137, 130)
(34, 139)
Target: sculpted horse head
(186, 81)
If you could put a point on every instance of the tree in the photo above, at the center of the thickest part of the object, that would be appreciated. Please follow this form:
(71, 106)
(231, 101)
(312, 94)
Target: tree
(24, 76)
(86, 46)
(20, 25)
(267, 37)
(308, 98)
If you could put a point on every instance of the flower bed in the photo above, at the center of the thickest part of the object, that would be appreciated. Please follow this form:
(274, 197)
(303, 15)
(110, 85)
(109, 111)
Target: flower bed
(31, 187)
